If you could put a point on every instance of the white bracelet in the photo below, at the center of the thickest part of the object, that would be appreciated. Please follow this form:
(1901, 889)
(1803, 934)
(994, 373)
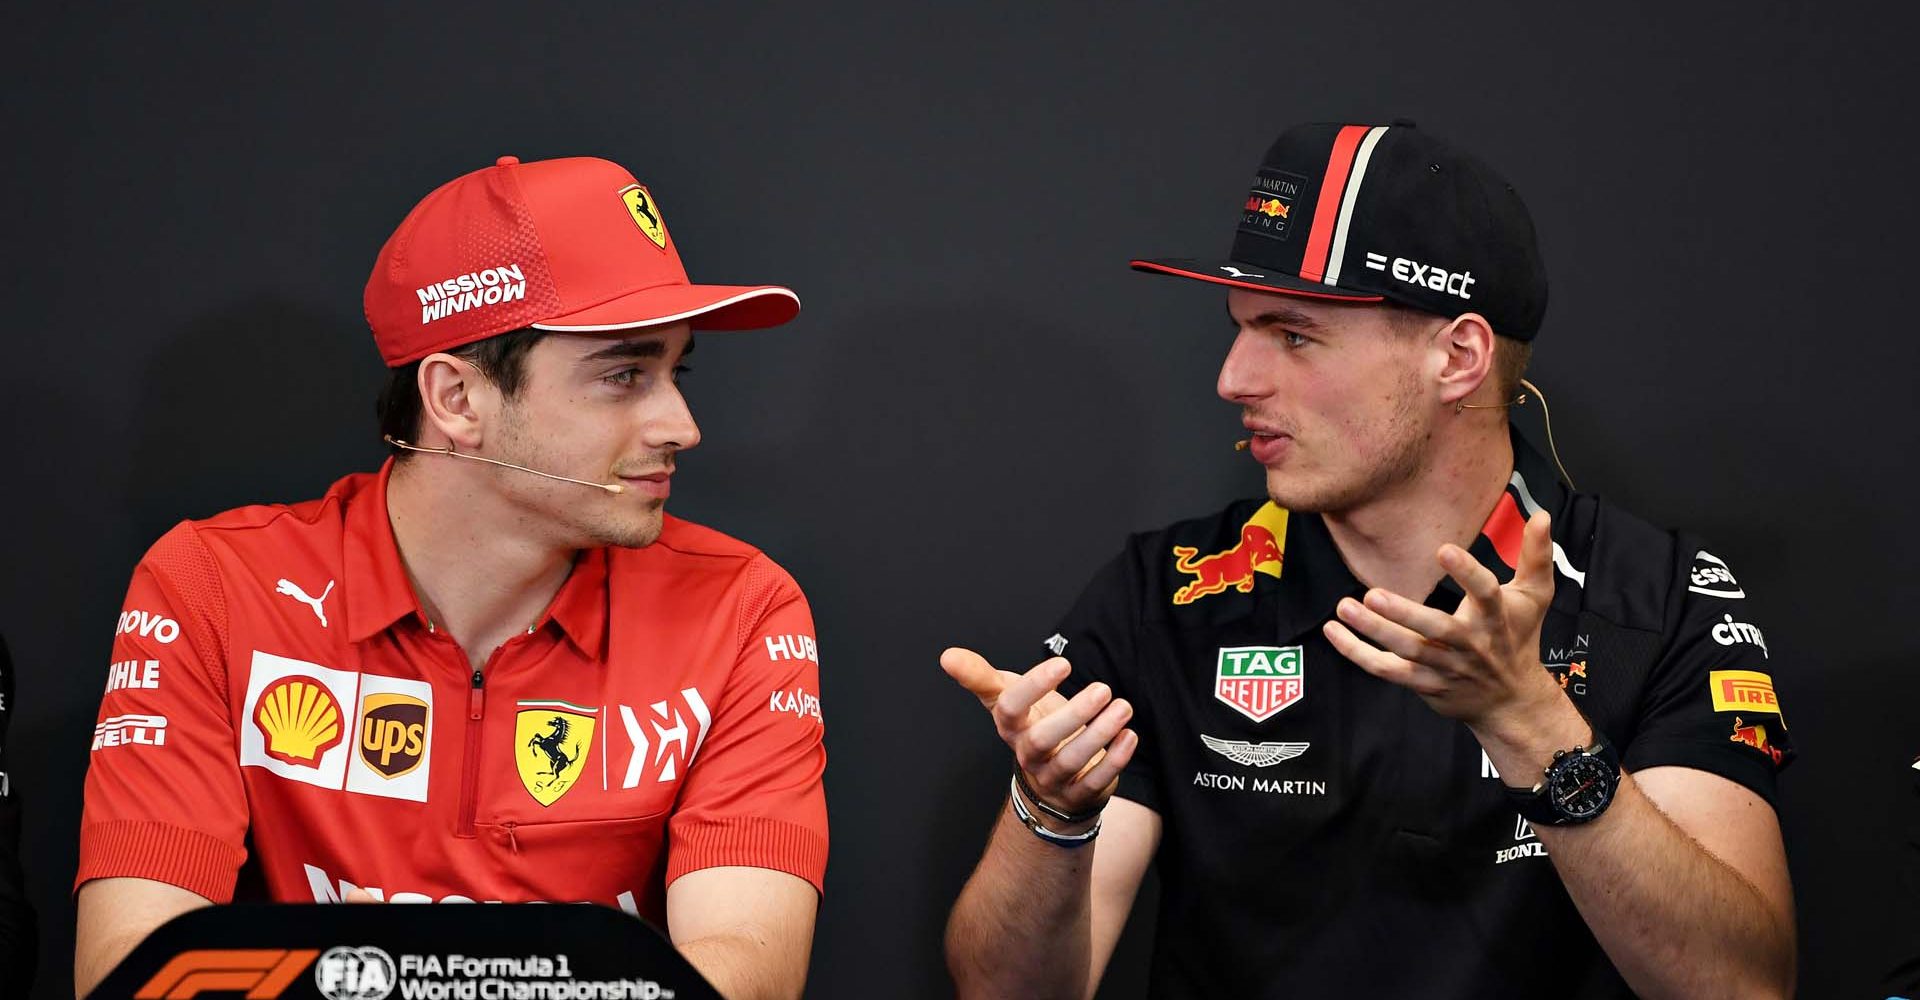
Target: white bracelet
(1031, 822)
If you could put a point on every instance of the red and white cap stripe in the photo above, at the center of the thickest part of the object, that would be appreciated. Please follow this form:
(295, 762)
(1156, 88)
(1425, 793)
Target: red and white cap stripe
(1333, 212)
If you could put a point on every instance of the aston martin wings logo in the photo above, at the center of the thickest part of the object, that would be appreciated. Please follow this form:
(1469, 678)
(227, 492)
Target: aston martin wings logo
(1253, 754)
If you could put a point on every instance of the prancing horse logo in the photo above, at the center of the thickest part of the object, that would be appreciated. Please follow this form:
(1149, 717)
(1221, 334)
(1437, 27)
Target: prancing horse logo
(553, 745)
(645, 214)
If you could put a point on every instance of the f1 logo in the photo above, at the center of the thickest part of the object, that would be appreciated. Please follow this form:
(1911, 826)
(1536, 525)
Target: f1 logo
(264, 973)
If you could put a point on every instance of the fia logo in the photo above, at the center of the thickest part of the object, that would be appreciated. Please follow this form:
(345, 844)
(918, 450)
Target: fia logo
(355, 974)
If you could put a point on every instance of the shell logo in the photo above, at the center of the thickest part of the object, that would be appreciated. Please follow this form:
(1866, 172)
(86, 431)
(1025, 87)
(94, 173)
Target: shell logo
(300, 718)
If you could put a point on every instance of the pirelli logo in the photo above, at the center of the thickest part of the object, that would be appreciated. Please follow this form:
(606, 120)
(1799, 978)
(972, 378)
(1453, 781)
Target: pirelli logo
(1743, 691)
(261, 973)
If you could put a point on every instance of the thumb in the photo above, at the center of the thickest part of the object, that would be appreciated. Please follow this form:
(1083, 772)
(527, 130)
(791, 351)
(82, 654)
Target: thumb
(358, 895)
(972, 671)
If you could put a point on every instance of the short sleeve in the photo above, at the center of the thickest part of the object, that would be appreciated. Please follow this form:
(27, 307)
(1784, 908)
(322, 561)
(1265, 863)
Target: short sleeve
(1711, 702)
(753, 795)
(164, 797)
(1098, 637)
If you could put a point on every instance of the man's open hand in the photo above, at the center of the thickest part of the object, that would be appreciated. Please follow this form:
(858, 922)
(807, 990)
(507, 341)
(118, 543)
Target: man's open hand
(1071, 750)
(1475, 665)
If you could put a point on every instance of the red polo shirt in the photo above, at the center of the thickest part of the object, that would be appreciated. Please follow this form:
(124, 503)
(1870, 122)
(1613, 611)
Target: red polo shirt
(275, 686)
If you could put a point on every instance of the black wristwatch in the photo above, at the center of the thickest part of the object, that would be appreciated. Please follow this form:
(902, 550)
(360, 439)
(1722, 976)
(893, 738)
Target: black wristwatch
(1577, 787)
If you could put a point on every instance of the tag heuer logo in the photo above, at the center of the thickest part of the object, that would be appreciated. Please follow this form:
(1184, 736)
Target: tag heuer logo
(1259, 681)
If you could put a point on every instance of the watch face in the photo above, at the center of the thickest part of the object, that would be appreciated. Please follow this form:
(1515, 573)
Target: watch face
(1581, 786)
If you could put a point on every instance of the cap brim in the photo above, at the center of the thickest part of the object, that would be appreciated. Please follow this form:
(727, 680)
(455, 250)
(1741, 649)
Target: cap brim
(705, 307)
(1237, 274)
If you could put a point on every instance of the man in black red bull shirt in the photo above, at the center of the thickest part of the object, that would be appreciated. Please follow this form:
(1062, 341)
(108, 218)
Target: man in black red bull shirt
(1421, 722)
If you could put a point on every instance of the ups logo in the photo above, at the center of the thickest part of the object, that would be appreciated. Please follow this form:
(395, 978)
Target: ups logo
(393, 733)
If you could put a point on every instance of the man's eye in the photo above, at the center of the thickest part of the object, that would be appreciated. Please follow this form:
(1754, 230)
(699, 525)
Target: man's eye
(1293, 339)
(680, 372)
(624, 376)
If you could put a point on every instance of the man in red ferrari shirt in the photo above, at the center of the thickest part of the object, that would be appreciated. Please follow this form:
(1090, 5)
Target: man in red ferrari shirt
(495, 669)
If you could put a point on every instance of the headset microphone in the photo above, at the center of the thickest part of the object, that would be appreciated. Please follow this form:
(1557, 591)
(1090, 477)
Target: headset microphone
(410, 446)
(1243, 443)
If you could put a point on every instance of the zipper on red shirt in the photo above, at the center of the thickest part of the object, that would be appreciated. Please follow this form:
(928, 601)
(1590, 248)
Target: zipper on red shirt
(470, 770)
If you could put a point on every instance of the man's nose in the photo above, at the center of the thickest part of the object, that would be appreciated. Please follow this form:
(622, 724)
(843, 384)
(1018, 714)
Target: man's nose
(1243, 375)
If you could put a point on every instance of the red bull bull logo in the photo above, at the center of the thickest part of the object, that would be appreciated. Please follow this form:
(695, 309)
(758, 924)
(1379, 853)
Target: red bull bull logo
(1755, 736)
(1261, 549)
(1269, 207)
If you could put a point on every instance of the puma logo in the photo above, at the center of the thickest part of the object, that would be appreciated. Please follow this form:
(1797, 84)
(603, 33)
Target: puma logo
(291, 589)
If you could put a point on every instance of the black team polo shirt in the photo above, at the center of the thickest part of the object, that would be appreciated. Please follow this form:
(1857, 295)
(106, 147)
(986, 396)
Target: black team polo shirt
(1326, 834)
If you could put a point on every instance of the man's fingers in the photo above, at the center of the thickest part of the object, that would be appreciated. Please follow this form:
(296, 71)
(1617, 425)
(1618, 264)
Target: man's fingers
(1388, 620)
(1010, 709)
(1072, 758)
(973, 672)
(1429, 622)
(358, 895)
(1100, 778)
(1376, 661)
(1047, 734)
(1479, 583)
(1536, 553)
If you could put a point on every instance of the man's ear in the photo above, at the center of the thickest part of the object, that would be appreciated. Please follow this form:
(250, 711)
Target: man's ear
(1466, 347)
(456, 401)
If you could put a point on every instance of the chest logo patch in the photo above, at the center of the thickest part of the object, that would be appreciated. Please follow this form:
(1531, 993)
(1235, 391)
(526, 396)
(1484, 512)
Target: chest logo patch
(1260, 681)
(1261, 549)
(554, 738)
(393, 733)
(300, 718)
(295, 721)
(1253, 754)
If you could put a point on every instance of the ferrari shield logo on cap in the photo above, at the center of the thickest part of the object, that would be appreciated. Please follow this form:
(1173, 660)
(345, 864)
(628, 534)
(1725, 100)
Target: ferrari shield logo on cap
(1259, 681)
(645, 213)
(553, 739)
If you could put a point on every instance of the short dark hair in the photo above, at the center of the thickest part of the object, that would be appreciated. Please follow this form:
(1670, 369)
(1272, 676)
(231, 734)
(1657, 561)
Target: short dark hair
(501, 359)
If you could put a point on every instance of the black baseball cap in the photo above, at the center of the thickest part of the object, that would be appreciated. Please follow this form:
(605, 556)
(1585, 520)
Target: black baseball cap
(1370, 213)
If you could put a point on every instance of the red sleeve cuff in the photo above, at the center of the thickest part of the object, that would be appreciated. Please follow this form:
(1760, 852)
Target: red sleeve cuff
(753, 842)
(176, 855)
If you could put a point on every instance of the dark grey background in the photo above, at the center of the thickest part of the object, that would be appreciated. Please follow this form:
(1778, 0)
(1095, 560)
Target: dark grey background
(979, 399)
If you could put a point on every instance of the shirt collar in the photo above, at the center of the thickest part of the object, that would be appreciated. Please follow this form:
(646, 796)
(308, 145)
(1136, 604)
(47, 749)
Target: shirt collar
(378, 592)
(1314, 576)
(580, 608)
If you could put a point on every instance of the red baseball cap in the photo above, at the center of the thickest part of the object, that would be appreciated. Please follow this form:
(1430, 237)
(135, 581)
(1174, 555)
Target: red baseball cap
(573, 245)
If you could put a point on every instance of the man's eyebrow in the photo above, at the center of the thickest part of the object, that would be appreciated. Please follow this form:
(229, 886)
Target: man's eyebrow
(1281, 316)
(642, 348)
